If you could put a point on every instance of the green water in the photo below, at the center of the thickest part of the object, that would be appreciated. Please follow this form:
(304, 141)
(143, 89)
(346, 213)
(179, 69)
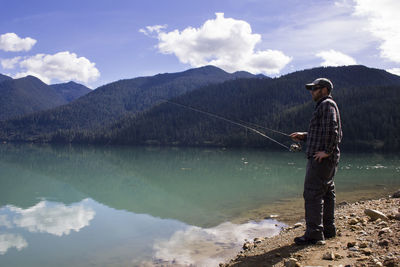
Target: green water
(138, 206)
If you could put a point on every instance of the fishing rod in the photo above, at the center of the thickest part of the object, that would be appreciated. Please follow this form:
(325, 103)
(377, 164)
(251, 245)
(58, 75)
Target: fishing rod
(293, 147)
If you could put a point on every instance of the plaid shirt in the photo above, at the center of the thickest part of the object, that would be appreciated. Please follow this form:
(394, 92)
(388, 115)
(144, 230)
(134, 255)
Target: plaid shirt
(325, 129)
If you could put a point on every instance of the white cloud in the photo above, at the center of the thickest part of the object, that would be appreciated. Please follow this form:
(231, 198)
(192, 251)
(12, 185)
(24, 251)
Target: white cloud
(335, 58)
(197, 246)
(10, 42)
(57, 219)
(62, 66)
(383, 23)
(395, 71)
(224, 42)
(9, 63)
(150, 29)
(8, 241)
(5, 222)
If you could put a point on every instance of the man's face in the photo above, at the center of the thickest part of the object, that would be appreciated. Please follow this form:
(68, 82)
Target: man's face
(317, 93)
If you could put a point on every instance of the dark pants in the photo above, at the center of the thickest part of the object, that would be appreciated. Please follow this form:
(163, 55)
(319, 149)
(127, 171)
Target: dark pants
(319, 197)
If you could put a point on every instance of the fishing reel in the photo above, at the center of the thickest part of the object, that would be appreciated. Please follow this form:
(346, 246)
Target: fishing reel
(295, 147)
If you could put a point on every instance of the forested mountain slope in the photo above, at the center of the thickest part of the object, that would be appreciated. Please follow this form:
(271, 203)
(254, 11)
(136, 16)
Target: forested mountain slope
(71, 90)
(111, 102)
(368, 99)
(26, 95)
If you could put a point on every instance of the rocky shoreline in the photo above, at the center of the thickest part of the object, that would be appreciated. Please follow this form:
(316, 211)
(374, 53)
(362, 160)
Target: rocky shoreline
(368, 235)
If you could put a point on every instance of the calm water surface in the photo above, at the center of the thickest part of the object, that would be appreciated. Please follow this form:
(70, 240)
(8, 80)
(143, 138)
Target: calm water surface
(137, 206)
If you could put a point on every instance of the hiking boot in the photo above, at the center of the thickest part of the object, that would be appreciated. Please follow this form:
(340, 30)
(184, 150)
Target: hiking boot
(303, 240)
(329, 234)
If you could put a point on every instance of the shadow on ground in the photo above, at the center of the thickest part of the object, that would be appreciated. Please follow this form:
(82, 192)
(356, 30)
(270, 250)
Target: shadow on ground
(269, 258)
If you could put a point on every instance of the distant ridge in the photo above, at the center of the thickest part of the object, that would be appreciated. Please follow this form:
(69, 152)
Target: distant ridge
(26, 95)
(71, 90)
(4, 78)
(111, 102)
(368, 98)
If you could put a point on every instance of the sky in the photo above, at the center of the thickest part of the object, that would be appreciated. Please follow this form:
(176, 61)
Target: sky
(98, 42)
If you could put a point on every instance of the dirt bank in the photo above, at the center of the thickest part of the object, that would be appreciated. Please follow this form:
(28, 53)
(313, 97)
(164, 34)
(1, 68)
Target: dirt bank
(361, 240)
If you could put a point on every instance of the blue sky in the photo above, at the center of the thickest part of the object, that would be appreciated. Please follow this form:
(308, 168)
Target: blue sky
(97, 42)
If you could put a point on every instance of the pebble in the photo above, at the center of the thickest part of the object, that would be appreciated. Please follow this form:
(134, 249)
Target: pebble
(384, 231)
(297, 225)
(258, 240)
(375, 214)
(396, 194)
(246, 246)
(292, 262)
(330, 256)
(353, 221)
(351, 244)
(383, 243)
(367, 251)
(383, 224)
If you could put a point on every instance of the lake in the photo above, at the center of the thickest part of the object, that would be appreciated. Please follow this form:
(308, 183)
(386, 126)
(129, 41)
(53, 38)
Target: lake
(148, 206)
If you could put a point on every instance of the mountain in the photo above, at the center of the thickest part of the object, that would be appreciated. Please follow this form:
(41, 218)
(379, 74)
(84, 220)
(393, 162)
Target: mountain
(111, 102)
(4, 78)
(368, 99)
(71, 90)
(26, 95)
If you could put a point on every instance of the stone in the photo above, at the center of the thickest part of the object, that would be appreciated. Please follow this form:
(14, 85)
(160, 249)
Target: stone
(296, 225)
(258, 240)
(353, 221)
(383, 224)
(338, 256)
(246, 246)
(351, 244)
(367, 251)
(383, 243)
(390, 263)
(375, 214)
(292, 262)
(329, 256)
(363, 245)
(396, 194)
(384, 231)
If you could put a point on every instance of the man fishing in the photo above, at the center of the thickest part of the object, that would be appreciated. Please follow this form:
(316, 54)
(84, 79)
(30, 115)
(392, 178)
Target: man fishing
(322, 150)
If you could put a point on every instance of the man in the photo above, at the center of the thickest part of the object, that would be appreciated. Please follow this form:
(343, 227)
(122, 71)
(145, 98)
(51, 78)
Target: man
(323, 137)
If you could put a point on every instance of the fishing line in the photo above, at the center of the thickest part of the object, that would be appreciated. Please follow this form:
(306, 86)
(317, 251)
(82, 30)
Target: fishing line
(233, 122)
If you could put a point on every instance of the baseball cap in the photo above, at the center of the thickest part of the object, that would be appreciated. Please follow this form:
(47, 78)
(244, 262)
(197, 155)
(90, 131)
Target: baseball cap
(320, 82)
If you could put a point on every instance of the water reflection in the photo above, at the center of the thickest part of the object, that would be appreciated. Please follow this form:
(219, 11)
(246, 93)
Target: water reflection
(195, 246)
(53, 218)
(44, 217)
(8, 241)
(196, 186)
(124, 206)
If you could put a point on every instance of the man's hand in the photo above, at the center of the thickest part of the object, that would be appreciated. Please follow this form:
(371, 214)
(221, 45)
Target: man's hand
(298, 136)
(320, 155)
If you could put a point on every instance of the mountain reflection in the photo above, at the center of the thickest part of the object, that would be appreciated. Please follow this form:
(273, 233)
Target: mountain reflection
(200, 187)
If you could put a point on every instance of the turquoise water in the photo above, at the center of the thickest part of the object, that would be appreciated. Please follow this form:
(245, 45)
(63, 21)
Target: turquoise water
(139, 206)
